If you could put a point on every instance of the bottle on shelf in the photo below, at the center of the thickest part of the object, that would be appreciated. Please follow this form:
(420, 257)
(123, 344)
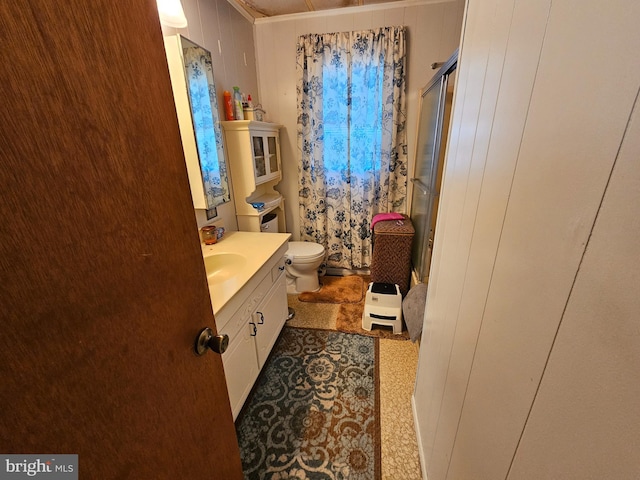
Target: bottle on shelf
(247, 109)
(237, 104)
(228, 106)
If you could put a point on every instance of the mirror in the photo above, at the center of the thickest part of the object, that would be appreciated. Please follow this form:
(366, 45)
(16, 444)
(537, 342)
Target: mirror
(194, 92)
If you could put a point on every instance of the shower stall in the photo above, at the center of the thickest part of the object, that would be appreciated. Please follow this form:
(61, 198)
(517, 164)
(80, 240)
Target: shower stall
(435, 110)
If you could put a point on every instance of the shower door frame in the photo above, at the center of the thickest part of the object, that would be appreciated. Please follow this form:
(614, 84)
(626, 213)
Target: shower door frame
(423, 242)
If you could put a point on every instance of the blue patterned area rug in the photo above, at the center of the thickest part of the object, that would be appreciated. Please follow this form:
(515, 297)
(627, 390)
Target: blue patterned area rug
(315, 411)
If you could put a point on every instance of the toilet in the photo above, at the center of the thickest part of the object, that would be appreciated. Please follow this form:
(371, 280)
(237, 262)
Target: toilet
(302, 261)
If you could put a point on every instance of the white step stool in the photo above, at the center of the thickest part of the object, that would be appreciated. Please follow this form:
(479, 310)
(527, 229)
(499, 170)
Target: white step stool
(383, 306)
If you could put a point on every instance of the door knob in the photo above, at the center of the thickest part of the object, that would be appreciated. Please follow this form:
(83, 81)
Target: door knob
(206, 339)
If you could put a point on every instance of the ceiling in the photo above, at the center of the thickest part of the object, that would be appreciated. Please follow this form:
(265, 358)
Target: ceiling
(272, 8)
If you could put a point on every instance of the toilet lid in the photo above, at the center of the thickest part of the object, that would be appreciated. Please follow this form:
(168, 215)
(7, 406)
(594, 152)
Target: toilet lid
(305, 249)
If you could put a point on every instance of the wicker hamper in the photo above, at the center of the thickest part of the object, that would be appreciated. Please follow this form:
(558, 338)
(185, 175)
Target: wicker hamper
(391, 261)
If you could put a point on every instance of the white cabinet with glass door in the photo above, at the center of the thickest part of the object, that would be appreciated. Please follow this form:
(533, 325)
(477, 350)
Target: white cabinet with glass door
(253, 155)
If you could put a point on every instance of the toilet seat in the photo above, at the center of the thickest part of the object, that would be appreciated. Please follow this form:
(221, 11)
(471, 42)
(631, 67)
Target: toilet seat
(304, 251)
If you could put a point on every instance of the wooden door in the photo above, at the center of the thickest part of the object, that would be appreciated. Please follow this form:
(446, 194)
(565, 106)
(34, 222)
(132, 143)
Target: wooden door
(102, 284)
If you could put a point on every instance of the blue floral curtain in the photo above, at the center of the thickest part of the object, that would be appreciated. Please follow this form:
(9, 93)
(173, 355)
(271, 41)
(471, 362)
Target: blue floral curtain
(204, 113)
(351, 138)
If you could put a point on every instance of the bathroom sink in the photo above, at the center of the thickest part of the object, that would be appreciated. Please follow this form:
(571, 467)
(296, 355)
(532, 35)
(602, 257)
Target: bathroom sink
(221, 267)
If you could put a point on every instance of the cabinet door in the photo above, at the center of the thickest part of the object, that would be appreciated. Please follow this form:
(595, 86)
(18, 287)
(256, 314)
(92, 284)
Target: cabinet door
(240, 363)
(270, 316)
(259, 158)
(273, 160)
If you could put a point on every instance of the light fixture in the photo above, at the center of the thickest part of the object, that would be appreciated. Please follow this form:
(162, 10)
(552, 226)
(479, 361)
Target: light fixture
(171, 13)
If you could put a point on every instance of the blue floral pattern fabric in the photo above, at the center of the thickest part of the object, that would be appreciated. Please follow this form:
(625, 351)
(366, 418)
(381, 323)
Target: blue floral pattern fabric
(351, 138)
(204, 114)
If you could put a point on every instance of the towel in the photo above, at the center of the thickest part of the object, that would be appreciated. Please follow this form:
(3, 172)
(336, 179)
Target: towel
(413, 307)
(381, 217)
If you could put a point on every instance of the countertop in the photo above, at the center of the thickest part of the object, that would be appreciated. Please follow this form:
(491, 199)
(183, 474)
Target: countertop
(256, 247)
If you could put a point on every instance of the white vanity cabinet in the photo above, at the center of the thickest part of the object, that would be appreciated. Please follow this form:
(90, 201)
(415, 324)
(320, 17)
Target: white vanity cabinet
(253, 319)
(269, 318)
(253, 155)
(240, 363)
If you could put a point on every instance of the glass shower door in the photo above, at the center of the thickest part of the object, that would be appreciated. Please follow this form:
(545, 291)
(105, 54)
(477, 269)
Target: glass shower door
(434, 114)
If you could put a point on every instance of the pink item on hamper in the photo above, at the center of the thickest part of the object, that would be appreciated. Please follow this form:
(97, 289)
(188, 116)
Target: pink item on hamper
(381, 217)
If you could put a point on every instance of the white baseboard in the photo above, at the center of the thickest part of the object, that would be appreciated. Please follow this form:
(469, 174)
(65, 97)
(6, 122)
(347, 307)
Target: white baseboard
(423, 461)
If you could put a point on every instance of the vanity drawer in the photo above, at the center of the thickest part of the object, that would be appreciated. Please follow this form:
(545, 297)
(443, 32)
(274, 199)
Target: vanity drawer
(277, 270)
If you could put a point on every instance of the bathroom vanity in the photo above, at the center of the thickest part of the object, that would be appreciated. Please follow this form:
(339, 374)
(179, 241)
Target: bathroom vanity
(246, 277)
